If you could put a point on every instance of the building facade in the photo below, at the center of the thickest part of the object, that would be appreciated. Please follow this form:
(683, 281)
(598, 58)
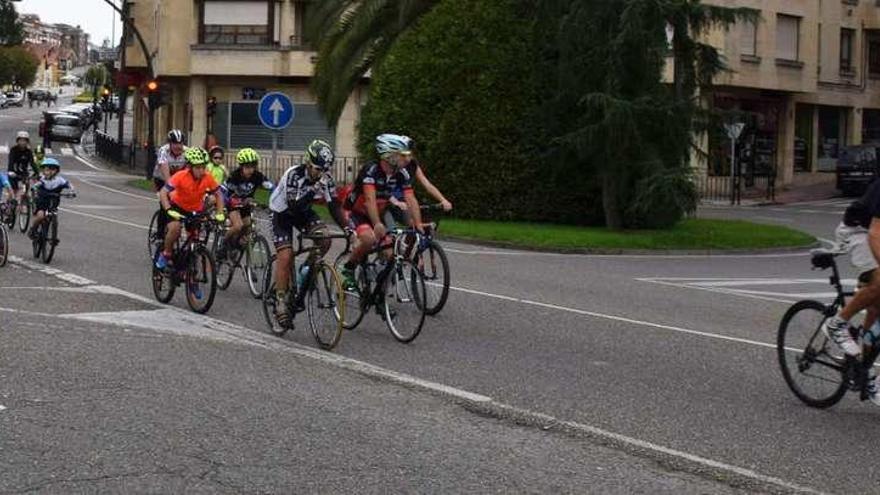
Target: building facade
(58, 47)
(230, 52)
(804, 80)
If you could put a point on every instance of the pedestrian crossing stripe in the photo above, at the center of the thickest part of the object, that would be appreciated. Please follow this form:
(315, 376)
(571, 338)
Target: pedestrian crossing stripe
(67, 151)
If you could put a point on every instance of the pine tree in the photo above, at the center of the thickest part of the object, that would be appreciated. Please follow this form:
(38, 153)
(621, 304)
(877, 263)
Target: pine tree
(11, 29)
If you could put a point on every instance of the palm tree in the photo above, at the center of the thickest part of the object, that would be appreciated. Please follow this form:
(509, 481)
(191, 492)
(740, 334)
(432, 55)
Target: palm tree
(352, 36)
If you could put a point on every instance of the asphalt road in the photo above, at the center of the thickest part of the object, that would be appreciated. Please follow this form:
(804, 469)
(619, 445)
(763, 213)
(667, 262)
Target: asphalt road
(663, 369)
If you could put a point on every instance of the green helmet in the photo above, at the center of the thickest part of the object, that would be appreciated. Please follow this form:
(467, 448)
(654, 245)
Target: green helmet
(247, 156)
(196, 156)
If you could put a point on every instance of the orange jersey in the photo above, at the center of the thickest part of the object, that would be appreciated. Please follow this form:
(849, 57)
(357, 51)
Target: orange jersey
(188, 193)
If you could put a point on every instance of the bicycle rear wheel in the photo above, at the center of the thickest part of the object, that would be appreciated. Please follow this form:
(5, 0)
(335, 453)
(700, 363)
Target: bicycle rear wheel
(50, 238)
(404, 302)
(153, 233)
(226, 266)
(200, 280)
(24, 215)
(812, 366)
(11, 211)
(258, 264)
(4, 245)
(434, 265)
(325, 302)
(269, 303)
(163, 281)
(355, 306)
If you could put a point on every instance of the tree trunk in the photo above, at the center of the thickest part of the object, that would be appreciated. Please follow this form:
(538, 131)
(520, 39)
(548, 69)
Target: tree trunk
(611, 201)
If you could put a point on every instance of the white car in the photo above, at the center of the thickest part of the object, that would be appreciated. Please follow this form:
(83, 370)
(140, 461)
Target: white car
(14, 98)
(4, 101)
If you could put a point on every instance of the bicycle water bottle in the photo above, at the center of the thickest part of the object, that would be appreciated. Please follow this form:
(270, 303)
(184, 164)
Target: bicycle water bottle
(302, 274)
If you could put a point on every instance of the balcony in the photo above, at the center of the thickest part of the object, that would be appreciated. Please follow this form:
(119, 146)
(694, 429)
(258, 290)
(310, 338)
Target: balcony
(251, 60)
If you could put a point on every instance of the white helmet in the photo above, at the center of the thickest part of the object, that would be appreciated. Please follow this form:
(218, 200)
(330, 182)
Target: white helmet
(23, 135)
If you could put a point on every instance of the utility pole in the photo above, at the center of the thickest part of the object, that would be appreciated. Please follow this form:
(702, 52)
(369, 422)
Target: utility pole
(123, 89)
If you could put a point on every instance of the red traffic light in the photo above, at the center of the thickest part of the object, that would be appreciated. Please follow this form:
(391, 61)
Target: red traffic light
(153, 85)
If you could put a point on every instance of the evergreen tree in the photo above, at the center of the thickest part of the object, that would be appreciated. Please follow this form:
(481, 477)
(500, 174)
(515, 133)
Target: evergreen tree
(11, 29)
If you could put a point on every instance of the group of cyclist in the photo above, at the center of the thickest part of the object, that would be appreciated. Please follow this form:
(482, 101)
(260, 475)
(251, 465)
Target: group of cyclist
(190, 180)
(31, 168)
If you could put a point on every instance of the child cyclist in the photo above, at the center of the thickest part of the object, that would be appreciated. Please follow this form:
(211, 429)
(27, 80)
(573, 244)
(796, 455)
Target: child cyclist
(46, 192)
(240, 188)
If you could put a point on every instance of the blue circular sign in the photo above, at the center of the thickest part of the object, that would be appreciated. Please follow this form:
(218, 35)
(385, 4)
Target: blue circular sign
(276, 110)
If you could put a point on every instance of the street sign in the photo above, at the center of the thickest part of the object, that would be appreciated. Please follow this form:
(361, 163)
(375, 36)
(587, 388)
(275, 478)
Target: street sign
(734, 130)
(276, 111)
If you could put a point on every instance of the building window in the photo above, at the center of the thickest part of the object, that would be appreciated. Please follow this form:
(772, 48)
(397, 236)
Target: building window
(299, 19)
(846, 50)
(236, 22)
(874, 56)
(787, 37)
(748, 38)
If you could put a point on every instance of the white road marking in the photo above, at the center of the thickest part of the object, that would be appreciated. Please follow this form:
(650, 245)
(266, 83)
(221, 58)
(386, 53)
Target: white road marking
(106, 219)
(89, 289)
(4, 149)
(67, 151)
(117, 191)
(49, 151)
(478, 252)
(103, 207)
(67, 277)
(2, 407)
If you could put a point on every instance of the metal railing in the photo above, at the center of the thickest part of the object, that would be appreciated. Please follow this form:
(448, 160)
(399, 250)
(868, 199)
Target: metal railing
(345, 168)
(111, 150)
(720, 188)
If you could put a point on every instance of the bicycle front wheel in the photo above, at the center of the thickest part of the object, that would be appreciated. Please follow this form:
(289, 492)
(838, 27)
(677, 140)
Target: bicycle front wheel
(355, 306)
(201, 280)
(50, 239)
(325, 302)
(226, 266)
(4, 245)
(163, 281)
(404, 303)
(258, 264)
(153, 238)
(811, 364)
(24, 215)
(434, 265)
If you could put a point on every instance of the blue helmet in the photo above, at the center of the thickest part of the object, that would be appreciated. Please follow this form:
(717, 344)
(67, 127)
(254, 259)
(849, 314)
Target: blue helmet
(51, 162)
(392, 143)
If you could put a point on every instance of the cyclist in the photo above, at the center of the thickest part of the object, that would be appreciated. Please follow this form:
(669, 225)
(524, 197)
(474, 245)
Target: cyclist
(183, 195)
(291, 206)
(373, 188)
(21, 163)
(170, 159)
(216, 167)
(45, 192)
(240, 189)
(397, 210)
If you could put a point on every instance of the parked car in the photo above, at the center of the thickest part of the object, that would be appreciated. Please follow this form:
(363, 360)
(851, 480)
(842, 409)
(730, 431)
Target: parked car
(62, 126)
(14, 98)
(40, 95)
(4, 101)
(857, 166)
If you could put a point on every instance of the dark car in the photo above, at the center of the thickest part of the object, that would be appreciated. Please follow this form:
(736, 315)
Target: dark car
(857, 166)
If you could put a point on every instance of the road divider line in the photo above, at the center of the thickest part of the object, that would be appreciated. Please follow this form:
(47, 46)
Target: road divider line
(106, 219)
(117, 191)
(61, 275)
(659, 256)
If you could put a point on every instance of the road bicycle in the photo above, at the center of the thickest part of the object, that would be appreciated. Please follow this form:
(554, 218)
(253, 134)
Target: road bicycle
(20, 211)
(815, 369)
(46, 239)
(4, 245)
(252, 254)
(317, 289)
(191, 264)
(395, 287)
(432, 261)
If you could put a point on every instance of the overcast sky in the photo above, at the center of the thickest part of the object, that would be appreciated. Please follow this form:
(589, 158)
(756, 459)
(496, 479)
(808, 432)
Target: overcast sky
(94, 16)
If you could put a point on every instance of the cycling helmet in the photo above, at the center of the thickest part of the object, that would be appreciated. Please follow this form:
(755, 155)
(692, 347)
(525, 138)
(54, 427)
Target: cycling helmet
(23, 135)
(196, 156)
(175, 136)
(247, 156)
(392, 143)
(320, 155)
(51, 163)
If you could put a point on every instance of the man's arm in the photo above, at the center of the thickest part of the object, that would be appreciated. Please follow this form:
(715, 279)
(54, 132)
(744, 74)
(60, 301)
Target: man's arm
(372, 207)
(164, 198)
(415, 212)
(164, 171)
(335, 208)
(432, 189)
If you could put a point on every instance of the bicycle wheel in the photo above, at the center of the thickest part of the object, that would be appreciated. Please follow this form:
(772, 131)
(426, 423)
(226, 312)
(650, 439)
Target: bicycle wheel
(258, 264)
(434, 265)
(812, 366)
(163, 281)
(355, 306)
(404, 301)
(24, 215)
(325, 302)
(153, 233)
(50, 238)
(4, 245)
(200, 280)
(226, 266)
(11, 210)
(269, 303)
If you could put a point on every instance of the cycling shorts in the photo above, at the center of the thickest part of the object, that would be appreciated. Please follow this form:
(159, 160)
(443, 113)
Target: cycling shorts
(283, 225)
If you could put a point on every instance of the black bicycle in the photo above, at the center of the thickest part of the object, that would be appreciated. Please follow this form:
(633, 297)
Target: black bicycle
(24, 210)
(395, 287)
(191, 264)
(815, 369)
(46, 239)
(153, 235)
(252, 254)
(319, 292)
(432, 261)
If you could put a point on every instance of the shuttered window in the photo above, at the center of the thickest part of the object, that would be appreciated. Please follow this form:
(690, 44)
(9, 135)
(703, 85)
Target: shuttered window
(748, 32)
(787, 37)
(231, 22)
(238, 126)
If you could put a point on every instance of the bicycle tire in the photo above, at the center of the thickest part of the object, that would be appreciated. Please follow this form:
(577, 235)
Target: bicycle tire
(258, 264)
(163, 281)
(226, 267)
(325, 293)
(24, 217)
(4, 245)
(152, 233)
(268, 304)
(200, 269)
(794, 366)
(435, 269)
(404, 298)
(11, 212)
(50, 239)
(355, 307)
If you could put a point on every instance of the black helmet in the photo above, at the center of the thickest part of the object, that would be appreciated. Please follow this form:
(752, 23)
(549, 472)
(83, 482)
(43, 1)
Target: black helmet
(175, 136)
(320, 155)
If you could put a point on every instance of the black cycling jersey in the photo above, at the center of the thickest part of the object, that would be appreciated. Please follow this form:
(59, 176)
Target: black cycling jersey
(21, 161)
(386, 185)
(863, 210)
(240, 187)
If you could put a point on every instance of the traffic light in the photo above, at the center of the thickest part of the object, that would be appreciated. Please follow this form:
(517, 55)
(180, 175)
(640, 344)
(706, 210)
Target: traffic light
(105, 97)
(155, 97)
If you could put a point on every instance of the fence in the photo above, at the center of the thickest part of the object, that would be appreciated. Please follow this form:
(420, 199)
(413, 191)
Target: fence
(111, 150)
(719, 188)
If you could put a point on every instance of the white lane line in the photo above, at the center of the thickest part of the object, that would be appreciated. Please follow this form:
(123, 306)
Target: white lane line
(103, 207)
(89, 289)
(106, 219)
(90, 165)
(715, 290)
(117, 191)
(796, 254)
(28, 313)
(2, 407)
(67, 277)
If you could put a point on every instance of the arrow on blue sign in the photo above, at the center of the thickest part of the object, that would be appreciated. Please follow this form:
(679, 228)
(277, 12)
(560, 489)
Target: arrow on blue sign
(276, 111)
